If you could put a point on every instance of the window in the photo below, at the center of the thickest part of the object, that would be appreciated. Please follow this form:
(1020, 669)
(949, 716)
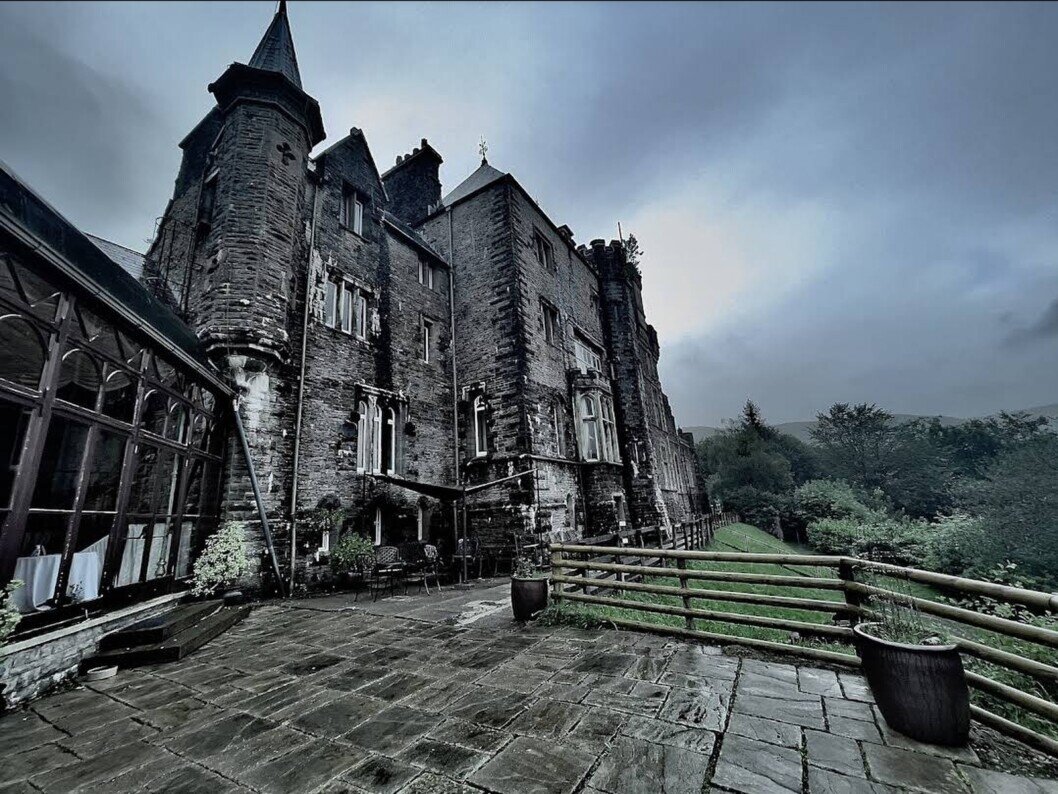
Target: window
(587, 356)
(208, 200)
(556, 421)
(589, 422)
(419, 523)
(378, 526)
(427, 339)
(376, 434)
(346, 307)
(551, 322)
(481, 446)
(545, 253)
(330, 305)
(363, 440)
(351, 214)
(389, 442)
(426, 274)
(594, 301)
(609, 431)
(22, 352)
(360, 314)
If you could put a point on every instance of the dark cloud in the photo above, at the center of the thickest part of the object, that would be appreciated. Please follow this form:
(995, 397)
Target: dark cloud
(837, 202)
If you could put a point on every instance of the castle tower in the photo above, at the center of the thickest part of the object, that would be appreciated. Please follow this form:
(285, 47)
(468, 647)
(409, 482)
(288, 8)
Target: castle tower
(231, 249)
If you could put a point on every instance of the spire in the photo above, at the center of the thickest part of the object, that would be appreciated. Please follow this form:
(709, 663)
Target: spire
(275, 53)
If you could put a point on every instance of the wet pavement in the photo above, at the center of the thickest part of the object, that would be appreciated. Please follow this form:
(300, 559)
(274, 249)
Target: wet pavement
(445, 693)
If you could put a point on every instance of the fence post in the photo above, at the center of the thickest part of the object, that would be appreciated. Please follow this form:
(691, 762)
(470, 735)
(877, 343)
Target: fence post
(556, 568)
(619, 576)
(847, 574)
(681, 566)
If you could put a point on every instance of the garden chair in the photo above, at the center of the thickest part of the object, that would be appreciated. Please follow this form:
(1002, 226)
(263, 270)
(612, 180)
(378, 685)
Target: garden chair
(470, 550)
(389, 570)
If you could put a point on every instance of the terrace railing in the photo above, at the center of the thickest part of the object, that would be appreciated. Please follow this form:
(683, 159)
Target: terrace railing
(843, 591)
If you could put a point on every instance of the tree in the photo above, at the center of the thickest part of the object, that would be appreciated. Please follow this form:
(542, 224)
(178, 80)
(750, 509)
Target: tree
(857, 443)
(633, 253)
(1017, 504)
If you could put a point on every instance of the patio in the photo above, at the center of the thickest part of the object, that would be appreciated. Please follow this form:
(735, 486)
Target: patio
(446, 693)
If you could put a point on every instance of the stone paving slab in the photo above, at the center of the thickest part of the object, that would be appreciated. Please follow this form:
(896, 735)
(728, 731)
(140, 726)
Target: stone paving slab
(445, 693)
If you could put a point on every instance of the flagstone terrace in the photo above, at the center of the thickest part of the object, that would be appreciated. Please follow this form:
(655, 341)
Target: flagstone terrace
(445, 693)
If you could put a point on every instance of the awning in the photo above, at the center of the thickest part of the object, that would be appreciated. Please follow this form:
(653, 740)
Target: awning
(446, 493)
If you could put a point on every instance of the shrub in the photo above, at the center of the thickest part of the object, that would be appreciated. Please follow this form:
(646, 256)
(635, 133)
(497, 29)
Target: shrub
(955, 544)
(222, 562)
(819, 499)
(901, 542)
(9, 616)
(350, 552)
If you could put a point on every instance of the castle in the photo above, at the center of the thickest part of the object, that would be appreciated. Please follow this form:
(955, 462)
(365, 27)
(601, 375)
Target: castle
(388, 344)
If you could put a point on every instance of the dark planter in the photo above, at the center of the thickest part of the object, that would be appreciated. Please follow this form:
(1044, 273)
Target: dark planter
(920, 689)
(528, 597)
(233, 598)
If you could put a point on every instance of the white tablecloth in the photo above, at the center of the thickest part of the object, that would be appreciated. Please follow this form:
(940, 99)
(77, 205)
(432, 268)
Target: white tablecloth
(39, 575)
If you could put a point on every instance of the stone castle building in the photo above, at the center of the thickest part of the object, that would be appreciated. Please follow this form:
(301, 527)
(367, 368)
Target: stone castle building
(387, 342)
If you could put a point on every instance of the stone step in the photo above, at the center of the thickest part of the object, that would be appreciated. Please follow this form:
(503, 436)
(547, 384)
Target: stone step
(160, 627)
(172, 648)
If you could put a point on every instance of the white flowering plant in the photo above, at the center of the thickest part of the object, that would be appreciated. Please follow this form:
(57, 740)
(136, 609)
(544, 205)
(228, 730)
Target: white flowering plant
(9, 616)
(222, 562)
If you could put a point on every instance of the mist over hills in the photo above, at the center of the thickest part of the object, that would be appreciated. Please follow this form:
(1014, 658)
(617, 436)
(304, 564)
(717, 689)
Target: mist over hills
(802, 430)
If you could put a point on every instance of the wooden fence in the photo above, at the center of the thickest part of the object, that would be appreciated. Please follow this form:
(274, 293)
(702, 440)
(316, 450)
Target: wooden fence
(582, 571)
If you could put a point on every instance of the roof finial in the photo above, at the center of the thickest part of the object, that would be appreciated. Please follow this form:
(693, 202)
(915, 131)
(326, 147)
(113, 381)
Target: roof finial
(483, 148)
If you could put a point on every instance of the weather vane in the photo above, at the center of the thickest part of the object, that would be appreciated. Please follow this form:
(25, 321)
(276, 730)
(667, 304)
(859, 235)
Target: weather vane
(483, 148)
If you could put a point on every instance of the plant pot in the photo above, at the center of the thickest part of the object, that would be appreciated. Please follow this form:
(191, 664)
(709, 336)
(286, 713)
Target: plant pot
(920, 689)
(528, 597)
(233, 598)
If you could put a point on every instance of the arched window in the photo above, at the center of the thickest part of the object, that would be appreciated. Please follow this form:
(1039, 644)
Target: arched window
(589, 422)
(22, 351)
(119, 396)
(155, 409)
(389, 442)
(363, 441)
(79, 379)
(481, 444)
(376, 434)
(609, 431)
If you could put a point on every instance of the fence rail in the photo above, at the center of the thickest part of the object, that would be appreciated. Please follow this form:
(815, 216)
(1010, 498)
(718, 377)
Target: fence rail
(615, 572)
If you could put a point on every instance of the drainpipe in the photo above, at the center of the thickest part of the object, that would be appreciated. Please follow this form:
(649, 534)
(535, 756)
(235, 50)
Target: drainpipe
(241, 432)
(301, 383)
(455, 380)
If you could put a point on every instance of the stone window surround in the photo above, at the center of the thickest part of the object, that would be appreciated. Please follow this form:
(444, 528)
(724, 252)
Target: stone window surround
(543, 250)
(377, 410)
(360, 327)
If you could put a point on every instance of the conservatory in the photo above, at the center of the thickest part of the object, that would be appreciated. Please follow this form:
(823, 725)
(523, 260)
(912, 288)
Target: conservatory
(112, 424)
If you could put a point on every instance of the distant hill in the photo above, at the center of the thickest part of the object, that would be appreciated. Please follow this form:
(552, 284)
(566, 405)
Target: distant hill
(802, 430)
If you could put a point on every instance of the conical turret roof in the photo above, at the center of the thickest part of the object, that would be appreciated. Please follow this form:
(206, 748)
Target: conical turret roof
(276, 53)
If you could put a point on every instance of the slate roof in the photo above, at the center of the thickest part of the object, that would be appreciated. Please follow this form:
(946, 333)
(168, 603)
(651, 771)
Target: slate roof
(131, 261)
(412, 236)
(484, 176)
(276, 53)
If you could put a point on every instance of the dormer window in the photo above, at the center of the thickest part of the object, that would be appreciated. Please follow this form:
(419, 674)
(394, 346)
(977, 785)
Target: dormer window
(351, 213)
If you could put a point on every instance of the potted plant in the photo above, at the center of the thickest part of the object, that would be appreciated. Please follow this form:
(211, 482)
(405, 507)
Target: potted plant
(351, 556)
(221, 564)
(915, 676)
(528, 589)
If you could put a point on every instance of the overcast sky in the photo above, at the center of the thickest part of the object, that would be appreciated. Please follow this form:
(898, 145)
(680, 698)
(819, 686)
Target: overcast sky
(837, 203)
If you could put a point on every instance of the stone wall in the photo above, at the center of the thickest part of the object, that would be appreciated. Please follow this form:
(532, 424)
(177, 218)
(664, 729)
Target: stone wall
(28, 669)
